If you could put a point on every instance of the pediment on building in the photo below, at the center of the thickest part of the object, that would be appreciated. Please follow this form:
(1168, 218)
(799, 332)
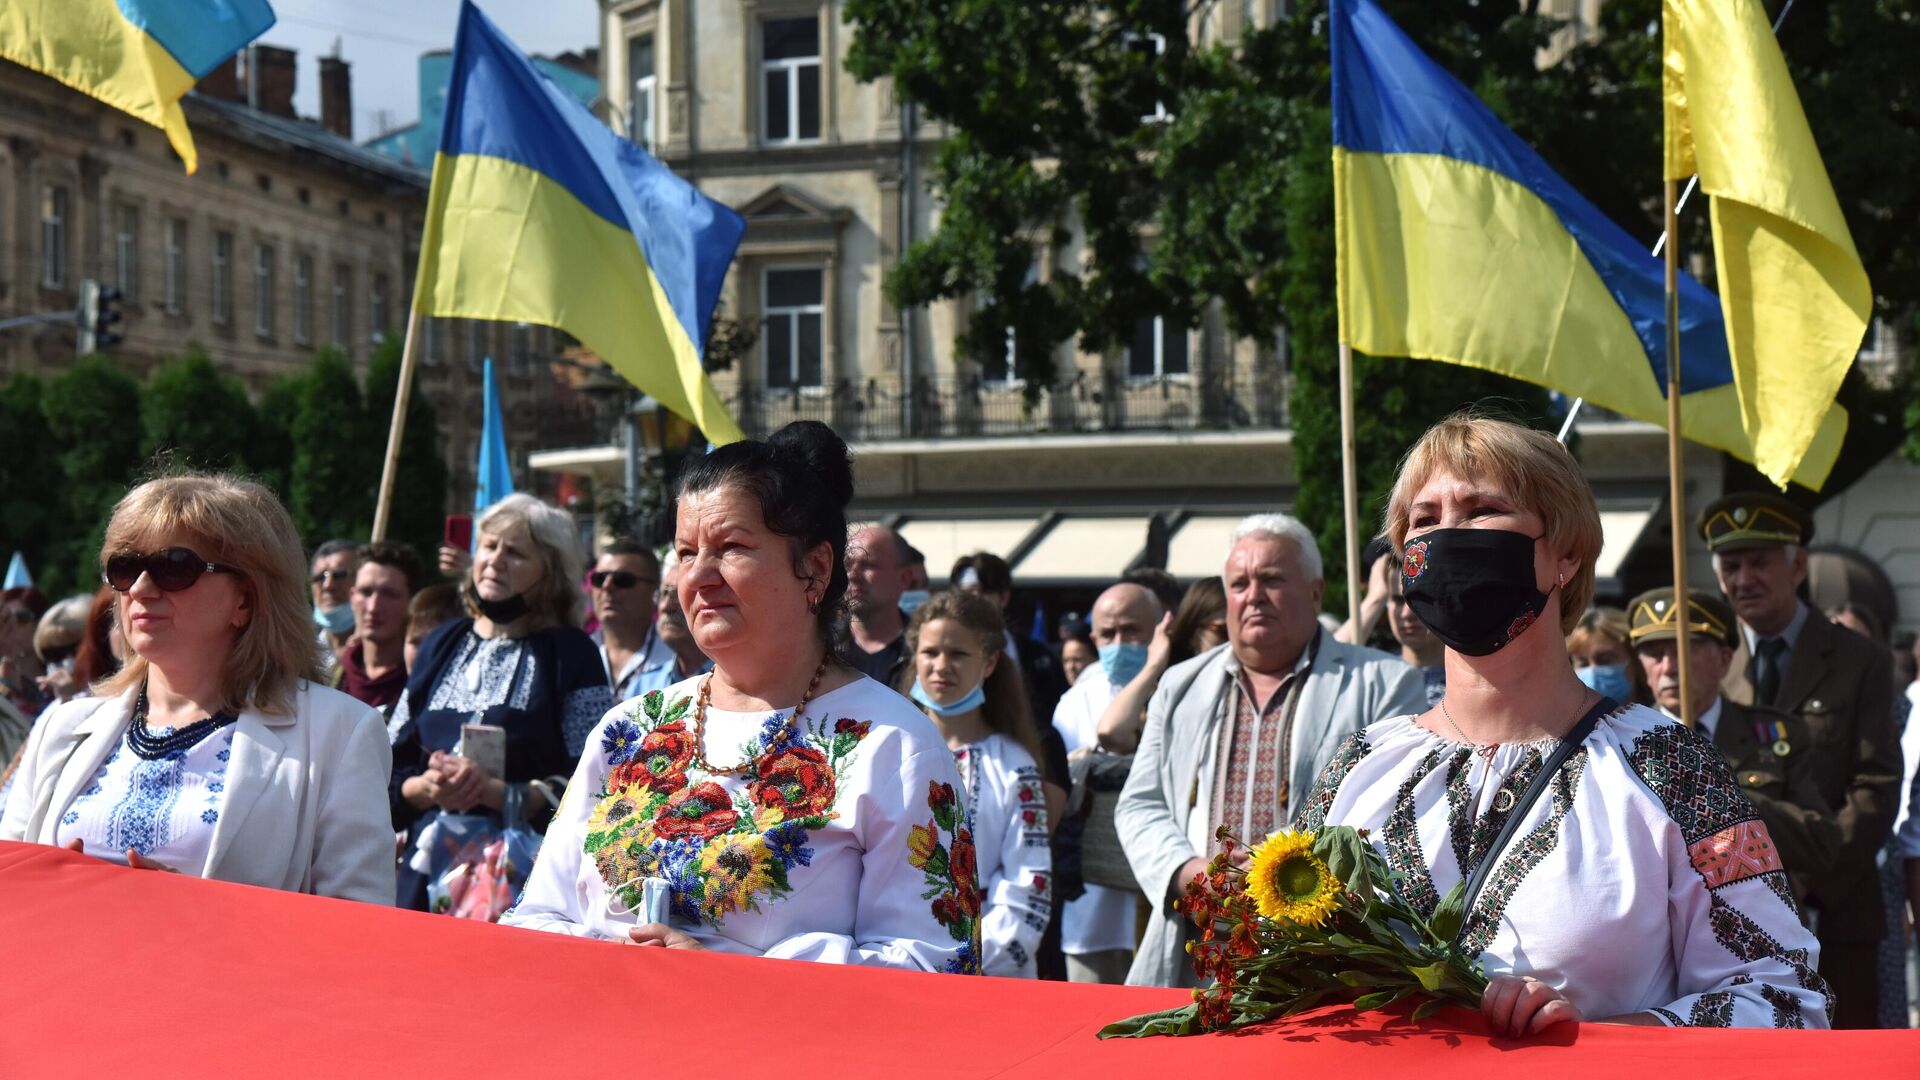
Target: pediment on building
(783, 204)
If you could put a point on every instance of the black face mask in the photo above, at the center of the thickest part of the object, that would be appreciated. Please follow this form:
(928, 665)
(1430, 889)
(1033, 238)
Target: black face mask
(498, 612)
(1473, 587)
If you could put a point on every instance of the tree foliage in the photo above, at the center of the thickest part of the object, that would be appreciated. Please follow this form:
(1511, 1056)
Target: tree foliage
(31, 516)
(336, 454)
(92, 412)
(420, 479)
(192, 416)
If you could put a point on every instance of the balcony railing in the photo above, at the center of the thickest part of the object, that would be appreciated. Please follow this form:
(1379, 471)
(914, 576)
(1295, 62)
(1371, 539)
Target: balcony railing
(947, 408)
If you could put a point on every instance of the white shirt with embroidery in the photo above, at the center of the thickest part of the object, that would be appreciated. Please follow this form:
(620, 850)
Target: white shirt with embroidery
(1641, 880)
(1008, 814)
(844, 841)
(165, 809)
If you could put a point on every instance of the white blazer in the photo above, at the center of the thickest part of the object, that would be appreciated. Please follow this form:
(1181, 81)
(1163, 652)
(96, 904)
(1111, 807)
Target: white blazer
(306, 806)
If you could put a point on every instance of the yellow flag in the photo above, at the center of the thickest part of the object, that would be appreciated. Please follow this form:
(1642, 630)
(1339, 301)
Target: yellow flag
(1795, 296)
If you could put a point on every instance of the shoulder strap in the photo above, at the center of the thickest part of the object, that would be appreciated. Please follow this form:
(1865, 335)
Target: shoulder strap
(1569, 742)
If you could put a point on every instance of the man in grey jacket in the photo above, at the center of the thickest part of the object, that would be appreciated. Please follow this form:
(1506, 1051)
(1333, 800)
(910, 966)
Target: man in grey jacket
(1236, 736)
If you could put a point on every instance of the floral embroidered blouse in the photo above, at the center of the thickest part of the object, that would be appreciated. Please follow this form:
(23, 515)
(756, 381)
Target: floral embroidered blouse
(1641, 880)
(844, 841)
(165, 809)
(1007, 817)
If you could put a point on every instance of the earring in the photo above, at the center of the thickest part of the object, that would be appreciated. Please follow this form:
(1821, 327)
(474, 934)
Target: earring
(813, 604)
(1560, 580)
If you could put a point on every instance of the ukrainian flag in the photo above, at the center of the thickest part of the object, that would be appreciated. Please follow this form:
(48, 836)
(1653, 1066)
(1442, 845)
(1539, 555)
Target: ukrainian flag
(1457, 242)
(139, 56)
(538, 213)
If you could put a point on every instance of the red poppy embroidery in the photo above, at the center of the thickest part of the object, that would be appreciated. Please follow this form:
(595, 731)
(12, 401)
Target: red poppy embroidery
(1415, 562)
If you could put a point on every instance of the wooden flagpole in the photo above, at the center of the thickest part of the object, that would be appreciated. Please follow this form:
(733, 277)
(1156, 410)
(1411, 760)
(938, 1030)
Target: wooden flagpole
(1677, 495)
(402, 395)
(1350, 477)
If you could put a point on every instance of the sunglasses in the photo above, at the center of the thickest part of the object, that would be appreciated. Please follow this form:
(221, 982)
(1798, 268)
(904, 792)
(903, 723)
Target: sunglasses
(172, 569)
(323, 578)
(619, 579)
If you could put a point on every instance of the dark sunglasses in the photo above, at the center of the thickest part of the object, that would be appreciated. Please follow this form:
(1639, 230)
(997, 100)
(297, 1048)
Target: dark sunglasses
(172, 569)
(323, 578)
(620, 579)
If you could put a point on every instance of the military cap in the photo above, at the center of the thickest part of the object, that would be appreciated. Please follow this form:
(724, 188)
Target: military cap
(1754, 517)
(1653, 614)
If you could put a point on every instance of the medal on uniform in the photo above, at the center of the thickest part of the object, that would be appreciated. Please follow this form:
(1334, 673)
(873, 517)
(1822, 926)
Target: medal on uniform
(1780, 746)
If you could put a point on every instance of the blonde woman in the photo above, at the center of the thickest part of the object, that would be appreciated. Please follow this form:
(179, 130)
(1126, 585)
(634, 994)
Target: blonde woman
(212, 752)
(519, 661)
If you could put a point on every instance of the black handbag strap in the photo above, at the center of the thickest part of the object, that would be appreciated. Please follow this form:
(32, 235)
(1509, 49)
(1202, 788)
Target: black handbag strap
(1569, 742)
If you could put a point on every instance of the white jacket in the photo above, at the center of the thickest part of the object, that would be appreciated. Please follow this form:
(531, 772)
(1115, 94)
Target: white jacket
(306, 807)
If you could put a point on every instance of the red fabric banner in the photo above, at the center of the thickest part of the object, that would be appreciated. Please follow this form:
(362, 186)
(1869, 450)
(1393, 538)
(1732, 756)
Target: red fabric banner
(110, 971)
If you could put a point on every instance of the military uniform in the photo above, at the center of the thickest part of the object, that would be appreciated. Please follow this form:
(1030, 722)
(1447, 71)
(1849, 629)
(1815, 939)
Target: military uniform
(1768, 751)
(1840, 685)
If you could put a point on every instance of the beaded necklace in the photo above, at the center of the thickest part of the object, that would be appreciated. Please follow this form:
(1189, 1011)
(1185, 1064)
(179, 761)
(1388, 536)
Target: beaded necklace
(700, 722)
(150, 747)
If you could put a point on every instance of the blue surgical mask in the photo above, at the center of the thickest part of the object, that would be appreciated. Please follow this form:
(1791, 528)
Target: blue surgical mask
(1122, 661)
(1608, 679)
(974, 699)
(336, 621)
(911, 600)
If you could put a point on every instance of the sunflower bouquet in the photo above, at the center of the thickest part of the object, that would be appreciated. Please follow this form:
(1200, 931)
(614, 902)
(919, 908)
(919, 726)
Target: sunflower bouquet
(1311, 919)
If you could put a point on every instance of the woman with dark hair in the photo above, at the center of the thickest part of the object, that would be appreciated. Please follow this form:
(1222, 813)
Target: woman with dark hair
(955, 643)
(519, 662)
(782, 804)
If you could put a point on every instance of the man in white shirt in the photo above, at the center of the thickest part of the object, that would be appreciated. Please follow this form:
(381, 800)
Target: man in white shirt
(1097, 928)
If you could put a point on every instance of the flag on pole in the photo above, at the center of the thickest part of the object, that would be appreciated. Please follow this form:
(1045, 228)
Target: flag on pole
(492, 473)
(538, 213)
(17, 574)
(139, 56)
(1792, 288)
(1457, 242)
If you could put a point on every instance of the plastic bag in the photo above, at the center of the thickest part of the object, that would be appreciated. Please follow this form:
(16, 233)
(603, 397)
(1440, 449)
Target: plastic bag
(476, 866)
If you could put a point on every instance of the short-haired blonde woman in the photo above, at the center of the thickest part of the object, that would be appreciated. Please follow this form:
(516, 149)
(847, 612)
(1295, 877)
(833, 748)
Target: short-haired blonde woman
(1639, 885)
(519, 661)
(213, 752)
(1603, 656)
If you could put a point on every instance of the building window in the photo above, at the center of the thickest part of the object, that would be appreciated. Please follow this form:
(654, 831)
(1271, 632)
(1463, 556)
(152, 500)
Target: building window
(1150, 48)
(263, 290)
(53, 237)
(222, 278)
(1159, 348)
(640, 106)
(795, 313)
(476, 345)
(176, 269)
(790, 79)
(342, 297)
(377, 309)
(303, 299)
(1002, 366)
(126, 253)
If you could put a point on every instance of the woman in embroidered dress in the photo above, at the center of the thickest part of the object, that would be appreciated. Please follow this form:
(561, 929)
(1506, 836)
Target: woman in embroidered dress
(212, 752)
(519, 662)
(957, 640)
(1640, 887)
(782, 804)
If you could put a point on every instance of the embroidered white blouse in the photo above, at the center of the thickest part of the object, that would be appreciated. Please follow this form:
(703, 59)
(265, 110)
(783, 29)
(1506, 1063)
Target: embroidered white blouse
(842, 842)
(1640, 881)
(1007, 813)
(165, 809)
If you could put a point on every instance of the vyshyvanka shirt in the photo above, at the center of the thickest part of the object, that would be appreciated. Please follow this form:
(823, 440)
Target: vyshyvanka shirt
(844, 841)
(1641, 880)
(1007, 813)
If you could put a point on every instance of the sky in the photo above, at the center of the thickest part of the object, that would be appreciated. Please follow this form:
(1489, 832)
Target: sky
(383, 39)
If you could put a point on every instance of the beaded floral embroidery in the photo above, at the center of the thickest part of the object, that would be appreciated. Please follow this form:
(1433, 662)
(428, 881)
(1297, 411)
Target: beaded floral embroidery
(943, 851)
(719, 851)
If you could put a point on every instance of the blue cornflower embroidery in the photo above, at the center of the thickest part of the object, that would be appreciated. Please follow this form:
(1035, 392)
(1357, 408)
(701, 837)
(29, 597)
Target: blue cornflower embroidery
(210, 816)
(620, 741)
(788, 842)
(69, 817)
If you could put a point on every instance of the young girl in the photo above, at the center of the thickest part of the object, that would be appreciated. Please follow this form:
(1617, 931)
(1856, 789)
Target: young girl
(956, 642)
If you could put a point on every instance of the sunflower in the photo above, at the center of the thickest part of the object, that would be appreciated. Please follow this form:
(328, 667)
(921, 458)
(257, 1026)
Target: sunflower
(1288, 881)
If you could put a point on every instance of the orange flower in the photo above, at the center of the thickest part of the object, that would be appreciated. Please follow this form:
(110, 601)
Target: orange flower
(922, 842)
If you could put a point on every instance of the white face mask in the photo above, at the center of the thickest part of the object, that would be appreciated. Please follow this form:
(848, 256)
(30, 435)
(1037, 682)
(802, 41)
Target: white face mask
(911, 600)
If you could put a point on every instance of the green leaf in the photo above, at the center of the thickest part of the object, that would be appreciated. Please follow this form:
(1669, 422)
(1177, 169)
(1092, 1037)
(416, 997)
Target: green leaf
(1181, 1021)
(1370, 1002)
(1356, 979)
(1449, 914)
(1432, 976)
(1428, 1008)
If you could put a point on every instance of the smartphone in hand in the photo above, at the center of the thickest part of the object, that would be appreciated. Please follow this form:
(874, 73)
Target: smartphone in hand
(458, 532)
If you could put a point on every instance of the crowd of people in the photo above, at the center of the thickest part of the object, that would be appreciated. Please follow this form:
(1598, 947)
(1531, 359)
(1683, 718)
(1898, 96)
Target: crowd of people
(783, 737)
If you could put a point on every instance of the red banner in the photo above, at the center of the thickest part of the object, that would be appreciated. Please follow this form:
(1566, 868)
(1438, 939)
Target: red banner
(110, 971)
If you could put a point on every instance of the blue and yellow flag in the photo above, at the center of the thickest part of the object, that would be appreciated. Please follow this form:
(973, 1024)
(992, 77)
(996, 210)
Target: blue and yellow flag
(139, 56)
(1458, 242)
(1795, 295)
(492, 471)
(540, 214)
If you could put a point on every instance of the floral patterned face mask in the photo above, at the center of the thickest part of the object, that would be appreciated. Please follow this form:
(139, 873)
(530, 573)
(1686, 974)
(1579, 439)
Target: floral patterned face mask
(1473, 588)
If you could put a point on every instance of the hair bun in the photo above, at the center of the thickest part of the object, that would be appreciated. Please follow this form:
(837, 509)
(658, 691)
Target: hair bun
(814, 447)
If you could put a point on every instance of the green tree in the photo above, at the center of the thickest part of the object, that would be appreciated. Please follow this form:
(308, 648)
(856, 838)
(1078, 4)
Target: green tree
(90, 413)
(192, 416)
(335, 458)
(29, 472)
(272, 451)
(420, 478)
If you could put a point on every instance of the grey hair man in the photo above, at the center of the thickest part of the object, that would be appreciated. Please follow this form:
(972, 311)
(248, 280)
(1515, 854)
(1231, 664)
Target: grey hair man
(1236, 736)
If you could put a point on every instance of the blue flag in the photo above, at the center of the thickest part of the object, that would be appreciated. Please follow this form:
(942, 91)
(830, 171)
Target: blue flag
(493, 476)
(17, 575)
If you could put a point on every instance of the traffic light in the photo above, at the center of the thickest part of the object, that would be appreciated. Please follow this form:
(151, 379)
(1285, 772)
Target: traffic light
(99, 311)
